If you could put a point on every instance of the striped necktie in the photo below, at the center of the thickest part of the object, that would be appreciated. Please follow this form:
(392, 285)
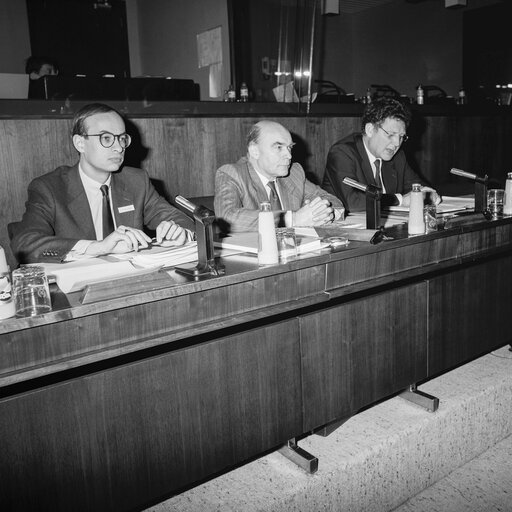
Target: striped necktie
(275, 202)
(108, 221)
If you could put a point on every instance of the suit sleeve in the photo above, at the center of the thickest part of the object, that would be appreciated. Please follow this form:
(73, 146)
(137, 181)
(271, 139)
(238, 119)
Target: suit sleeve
(34, 239)
(409, 176)
(231, 214)
(157, 209)
(311, 191)
(340, 165)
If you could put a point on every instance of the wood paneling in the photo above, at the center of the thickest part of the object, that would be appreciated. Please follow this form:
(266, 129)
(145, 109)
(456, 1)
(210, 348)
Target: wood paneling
(64, 341)
(182, 153)
(116, 439)
(367, 349)
(465, 325)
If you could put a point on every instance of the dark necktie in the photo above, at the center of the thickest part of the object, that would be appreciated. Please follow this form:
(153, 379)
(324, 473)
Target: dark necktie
(378, 181)
(108, 221)
(275, 203)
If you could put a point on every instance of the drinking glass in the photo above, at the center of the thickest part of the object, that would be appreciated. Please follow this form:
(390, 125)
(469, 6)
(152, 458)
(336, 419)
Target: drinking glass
(286, 244)
(31, 291)
(495, 202)
(430, 217)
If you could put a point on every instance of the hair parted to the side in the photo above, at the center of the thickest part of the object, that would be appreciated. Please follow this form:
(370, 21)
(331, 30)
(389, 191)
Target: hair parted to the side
(87, 111)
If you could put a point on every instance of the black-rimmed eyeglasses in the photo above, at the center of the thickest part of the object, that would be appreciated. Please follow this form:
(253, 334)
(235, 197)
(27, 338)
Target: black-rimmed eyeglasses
(107, 139)
(401, 138)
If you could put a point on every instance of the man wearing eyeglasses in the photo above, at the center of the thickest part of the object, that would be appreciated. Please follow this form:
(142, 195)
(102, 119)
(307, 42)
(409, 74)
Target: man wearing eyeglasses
(374, 157)
(265, 174)
(95, 207)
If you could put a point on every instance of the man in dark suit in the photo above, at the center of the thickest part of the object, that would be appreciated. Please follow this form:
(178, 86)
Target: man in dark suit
(95, 207)
(265, 175)
(374, 157)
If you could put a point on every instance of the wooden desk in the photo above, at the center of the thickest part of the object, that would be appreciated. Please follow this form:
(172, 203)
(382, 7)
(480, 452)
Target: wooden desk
(115, 405)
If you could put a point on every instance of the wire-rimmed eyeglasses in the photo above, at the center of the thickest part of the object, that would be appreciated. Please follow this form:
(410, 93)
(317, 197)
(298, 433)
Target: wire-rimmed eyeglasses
(401, 138)
(107, 139)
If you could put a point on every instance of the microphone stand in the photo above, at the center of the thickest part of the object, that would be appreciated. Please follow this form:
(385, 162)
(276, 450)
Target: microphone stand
(203, 218)
(480, 188)
(373, 196)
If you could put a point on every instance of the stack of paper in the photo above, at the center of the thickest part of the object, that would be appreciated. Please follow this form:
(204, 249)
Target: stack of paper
(75, 275)
(165, 257)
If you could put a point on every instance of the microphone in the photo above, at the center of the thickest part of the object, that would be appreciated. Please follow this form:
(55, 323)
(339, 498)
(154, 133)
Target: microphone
(480, 187)
(373, 195)
(204, 219)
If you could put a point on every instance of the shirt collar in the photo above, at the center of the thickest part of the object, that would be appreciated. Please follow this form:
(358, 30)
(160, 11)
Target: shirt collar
(89, 184)
(370, 156)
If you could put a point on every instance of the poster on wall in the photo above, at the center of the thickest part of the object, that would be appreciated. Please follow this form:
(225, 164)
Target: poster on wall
(209, 53)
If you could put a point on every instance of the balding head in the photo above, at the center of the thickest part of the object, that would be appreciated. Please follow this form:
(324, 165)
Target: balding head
(269, 149)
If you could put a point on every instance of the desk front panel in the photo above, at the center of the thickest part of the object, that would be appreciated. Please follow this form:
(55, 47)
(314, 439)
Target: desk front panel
(470, 310)
(118, 438)
(358, 352)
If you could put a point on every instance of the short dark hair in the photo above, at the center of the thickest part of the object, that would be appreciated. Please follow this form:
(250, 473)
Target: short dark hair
(89, 110)
(380, 109)
(34, 64)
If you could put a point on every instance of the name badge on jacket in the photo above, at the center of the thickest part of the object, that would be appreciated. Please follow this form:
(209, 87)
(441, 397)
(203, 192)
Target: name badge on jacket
(124, 209)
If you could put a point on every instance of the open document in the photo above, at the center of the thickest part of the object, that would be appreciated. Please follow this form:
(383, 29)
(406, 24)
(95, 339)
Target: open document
(75, 275)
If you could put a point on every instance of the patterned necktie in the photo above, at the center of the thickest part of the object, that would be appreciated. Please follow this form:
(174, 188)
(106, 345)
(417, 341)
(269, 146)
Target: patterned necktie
(275, 202)
(378, 181)
(108, 221)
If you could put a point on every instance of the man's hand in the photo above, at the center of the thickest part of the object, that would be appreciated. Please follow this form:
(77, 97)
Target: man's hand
(120, 241)
(433, 197)
(314, 213)
(169, 230)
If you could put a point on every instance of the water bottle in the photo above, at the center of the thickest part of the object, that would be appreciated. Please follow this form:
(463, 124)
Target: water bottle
(7, 309)
(416, 224)
(507, 201)
(244, 93)
(231, 94)
(419, 95)
(267, 241)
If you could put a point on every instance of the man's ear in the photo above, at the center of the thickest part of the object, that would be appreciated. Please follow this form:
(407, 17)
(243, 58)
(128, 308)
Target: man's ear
(369, 129)
(253, 151)
(78, 142)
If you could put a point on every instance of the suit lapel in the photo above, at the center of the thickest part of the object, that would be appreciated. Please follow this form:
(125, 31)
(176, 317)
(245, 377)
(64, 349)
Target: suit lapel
(365, 162)
(258, 190)
(78, 204)
(122, 198)
(389, 177)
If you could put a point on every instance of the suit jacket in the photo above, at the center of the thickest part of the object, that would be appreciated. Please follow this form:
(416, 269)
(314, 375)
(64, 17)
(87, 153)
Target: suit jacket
(239, 192)
(348, 158)
(57, 212)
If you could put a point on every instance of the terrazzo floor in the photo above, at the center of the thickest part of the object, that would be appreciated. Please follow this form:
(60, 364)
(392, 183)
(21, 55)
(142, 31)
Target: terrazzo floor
(394, 456)
(481, 485)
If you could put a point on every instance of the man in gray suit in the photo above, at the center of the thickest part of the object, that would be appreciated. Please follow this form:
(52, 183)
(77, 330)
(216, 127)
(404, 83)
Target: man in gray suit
(95, 207)
(265, 175)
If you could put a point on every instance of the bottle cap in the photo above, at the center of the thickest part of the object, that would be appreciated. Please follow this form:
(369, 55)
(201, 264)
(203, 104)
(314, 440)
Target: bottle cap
(265, 207)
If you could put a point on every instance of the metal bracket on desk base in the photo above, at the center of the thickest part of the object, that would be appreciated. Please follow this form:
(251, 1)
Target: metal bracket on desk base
(299, 456)
(328, 429)
(428, 402)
